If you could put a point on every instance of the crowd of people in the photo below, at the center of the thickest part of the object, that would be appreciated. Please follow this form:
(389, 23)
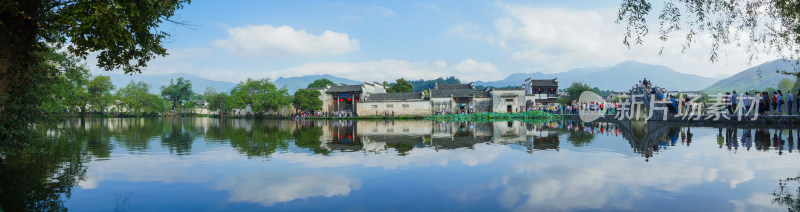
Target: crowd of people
(731, 103)
(776, 104)
(344, 113)
(608, 108)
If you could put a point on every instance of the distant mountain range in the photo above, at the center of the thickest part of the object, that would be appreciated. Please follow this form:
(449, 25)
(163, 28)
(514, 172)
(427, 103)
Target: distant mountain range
(199, 84)
(620, 77)
(759, 77)
(294, 83)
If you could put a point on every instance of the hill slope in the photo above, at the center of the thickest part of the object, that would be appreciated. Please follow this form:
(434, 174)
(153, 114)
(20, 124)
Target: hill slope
(294, 83)
(619, 77)
(199, 84)
(750, 79)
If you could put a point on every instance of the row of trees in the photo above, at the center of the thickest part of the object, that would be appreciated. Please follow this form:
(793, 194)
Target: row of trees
(263, 95)
(29, 30)
(73, 89)
(77, 91)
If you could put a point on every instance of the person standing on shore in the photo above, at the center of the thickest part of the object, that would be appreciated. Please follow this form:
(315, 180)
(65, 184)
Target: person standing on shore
(727, 101)
(765, 103)
(733, 102)
(789, 100)
(746, 102)
(797, 107)
(780, 102)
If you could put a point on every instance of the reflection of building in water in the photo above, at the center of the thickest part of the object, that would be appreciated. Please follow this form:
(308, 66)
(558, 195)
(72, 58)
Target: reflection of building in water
(342, 135)
(542, 136)
(401, 135)
(508, 132)
(377, 136)
(452, 135)
(648, 138)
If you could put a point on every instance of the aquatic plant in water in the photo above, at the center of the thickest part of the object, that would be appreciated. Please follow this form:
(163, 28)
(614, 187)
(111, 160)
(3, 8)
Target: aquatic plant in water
(491, 116)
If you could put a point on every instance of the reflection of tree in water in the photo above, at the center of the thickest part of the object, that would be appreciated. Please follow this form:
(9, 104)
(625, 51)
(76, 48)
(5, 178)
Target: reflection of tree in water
(96, 135)
(580, 138)
(177, 136)
(40, 179)
(789, 194)
(402, 147)
(262, 140)
(647, 138)
(309, 137)
(135, 137)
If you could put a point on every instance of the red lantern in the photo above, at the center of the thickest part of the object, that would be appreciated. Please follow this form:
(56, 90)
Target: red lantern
(356, 100)
(348, 99)
(334, 101)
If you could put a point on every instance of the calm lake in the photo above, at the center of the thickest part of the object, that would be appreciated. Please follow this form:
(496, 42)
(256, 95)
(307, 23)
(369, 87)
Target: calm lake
(208, 164)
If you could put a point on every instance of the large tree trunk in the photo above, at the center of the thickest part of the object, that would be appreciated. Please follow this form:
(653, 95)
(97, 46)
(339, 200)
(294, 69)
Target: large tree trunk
(22, 82)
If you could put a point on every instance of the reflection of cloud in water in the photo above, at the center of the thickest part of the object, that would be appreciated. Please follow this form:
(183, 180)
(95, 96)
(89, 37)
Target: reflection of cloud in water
(757, 201)
(578, 180)
(270, 188)
(154, 168)
(480, 154)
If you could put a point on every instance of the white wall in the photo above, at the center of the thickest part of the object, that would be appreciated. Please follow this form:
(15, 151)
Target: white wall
(400, 108)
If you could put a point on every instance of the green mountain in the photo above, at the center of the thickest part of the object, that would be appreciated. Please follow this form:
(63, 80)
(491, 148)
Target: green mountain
(620, 77)
(759, 77)
(294, 83)
(199, 84)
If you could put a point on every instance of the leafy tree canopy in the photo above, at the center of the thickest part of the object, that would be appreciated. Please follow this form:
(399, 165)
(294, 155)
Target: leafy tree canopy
(261, 95)
(307, 100)
(785, 84)
(216, 101)
(400, 86)
(575, 90)
(136, 97)
(68, 89)
(124, 34)
(321, 83)
(762, 26)
(178, 92)
(420, 85)
(99, 90)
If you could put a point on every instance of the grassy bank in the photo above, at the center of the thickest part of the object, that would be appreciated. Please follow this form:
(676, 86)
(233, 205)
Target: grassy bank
(490, 116)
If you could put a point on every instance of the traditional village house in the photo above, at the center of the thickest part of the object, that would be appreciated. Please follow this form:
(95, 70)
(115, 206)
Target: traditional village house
(541, 91)
(459, 98)
(345, 98)
(509, 100)
(397, 104)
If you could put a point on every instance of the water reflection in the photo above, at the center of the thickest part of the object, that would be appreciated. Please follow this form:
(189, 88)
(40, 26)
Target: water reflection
(563, 165)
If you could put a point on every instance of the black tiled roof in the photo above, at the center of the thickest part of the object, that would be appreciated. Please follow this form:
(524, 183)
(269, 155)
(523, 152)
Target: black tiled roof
(453, 86)
(394, 96)
(344, 88)
(442, 93)
(544, 83)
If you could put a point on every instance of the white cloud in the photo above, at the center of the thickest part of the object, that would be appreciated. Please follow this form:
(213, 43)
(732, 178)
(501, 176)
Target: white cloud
(470, 31)
(266, 40)
(418, 157)
(568, 180)
(184, 61)
(389, 70)
(381, 10)
(758, 201)
(557, 39)
(273, 187)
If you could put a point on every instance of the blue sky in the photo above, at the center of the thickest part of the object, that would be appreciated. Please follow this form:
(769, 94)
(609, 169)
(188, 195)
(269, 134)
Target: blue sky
(385, 40)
